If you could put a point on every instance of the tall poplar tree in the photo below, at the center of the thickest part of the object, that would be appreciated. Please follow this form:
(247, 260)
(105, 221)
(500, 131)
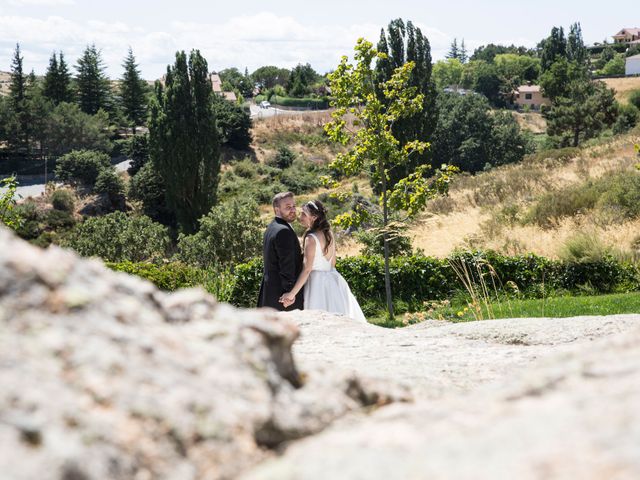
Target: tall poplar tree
(552, 47)
(401, 44)
(183, 139)
(133, 92)
(94, 91)
(576, 50)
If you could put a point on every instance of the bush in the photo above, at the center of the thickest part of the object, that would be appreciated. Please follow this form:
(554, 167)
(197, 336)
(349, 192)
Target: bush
(634, 98)
(627, 119)
(68, 128)
(234, 124)
(109, 183)
(567, 202)
(63, 199)
(137, 149)
(148, 187)
(81, 166)
(168, 277)
(373, 241)
(118, 237)
(59, 219)
(230, 233)
(283, 158)
(417, 278)
(307, 102)
(583, 247)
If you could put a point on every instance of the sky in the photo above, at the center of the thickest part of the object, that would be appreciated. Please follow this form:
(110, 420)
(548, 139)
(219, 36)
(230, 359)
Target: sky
(250, 34)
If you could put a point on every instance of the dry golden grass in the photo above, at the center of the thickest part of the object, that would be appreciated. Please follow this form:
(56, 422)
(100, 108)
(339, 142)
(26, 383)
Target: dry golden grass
(623, 86)
(469, 216)
(532, 121)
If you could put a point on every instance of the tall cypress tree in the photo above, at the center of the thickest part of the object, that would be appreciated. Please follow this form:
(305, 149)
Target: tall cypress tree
(57, 80)
(132, 92)
(405, 43)
(183, 139)
(94, 91)
(18, 86)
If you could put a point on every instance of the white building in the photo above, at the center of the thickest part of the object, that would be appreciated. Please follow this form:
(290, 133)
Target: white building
(632, 65)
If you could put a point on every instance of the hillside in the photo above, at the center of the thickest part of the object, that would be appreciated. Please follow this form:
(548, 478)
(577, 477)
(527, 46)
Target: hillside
(488, 210)
(623, 86)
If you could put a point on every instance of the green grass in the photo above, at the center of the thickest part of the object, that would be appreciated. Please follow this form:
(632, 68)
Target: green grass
(566, 306)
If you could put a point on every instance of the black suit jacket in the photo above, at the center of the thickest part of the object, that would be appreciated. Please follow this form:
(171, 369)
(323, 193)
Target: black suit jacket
(282, 257)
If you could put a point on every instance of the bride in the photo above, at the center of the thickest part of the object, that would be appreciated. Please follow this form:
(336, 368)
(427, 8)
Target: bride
(324, 287)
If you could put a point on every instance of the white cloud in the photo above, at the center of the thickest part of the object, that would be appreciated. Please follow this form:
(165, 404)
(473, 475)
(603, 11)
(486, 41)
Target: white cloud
(40, 3)
(242, 41)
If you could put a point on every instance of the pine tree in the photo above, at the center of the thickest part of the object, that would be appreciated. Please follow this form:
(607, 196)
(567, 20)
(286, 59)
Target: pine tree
(406, 43)
(463, 57)
(94, 91)
(132, 92)
(65, 92)
(51, 79)
(18, 127)
(183, 139)
(454, 52)
(57, 81)
(18, 85)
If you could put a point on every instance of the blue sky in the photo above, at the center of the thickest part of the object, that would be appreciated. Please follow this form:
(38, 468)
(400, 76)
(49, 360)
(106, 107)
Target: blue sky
(279, 32)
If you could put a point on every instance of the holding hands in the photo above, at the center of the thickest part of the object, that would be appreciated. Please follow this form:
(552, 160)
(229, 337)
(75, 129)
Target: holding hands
(287, 299)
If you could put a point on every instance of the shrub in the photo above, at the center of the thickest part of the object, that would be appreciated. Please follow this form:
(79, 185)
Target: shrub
(621, 195)
(230, 233)
(627, 119)
(68, 128)
(634, 98)
(568, 202)
(299, 180)
(283, 158)
(59, 219)
(417, 278)
(373, 241)
(234, 124)
(148, 187)
(118, 237)
(583, 247)
(63, 199)
(109, 183)
(31, 222)
(81, 166)
(168, 277)
(245, 169)
(137, 149)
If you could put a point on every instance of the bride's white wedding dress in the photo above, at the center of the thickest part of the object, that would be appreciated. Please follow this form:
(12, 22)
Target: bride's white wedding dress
(327, 290)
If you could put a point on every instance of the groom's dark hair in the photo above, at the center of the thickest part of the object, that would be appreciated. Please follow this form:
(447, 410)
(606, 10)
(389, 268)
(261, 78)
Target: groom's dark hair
(279, 197)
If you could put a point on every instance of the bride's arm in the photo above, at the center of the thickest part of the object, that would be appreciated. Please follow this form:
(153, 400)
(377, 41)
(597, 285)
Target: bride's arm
(309, 254)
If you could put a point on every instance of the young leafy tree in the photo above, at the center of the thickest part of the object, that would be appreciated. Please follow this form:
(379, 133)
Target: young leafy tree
(401, 44)
(133, 90)
(183, 140)
(94, 91)
(373, 147)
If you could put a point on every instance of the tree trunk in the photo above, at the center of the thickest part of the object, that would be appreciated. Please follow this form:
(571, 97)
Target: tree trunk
(385, 237)
(576, 137)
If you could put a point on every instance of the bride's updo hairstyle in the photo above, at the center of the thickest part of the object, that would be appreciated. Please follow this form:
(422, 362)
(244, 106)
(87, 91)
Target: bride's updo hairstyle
(316, 209)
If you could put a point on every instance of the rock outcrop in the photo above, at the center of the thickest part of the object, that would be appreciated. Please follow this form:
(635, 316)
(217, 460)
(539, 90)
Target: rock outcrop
(104, 376)
(523, 398)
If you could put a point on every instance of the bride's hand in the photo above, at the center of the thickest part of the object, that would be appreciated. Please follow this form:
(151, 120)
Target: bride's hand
(287, 299)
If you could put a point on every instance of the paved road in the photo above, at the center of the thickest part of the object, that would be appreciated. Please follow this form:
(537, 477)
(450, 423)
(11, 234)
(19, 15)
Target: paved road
(33, 185)
(257, 112)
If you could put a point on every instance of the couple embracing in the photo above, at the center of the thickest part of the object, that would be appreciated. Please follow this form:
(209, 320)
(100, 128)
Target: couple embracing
(296, 280)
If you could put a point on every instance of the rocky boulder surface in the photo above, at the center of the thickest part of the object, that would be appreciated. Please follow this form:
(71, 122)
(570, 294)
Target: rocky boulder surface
(105, 377)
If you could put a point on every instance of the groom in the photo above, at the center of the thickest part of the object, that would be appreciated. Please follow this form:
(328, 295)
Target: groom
(282, 256)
